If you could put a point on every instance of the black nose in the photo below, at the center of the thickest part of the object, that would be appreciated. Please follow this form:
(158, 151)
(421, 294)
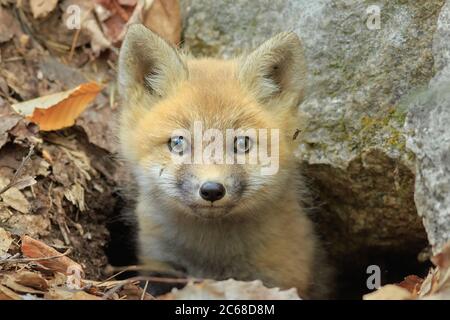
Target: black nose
(212, 191)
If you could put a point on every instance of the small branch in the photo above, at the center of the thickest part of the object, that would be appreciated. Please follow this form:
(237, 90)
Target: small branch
(18, 172)
(108, 294)
(144, 290)
(74, 43)
(25, 260)
(129, 268)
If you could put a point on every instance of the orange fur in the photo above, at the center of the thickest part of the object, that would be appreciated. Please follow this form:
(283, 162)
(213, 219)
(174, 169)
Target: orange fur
(258, 230)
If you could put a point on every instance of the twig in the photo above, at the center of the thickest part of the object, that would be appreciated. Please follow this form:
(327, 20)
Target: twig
(60, 219)
(14, 181)
(169, 272)
(120, 11)
(74, 43)
(144, 290)
(129, 268)
(108, 294)
(13, 59)
(25, 260)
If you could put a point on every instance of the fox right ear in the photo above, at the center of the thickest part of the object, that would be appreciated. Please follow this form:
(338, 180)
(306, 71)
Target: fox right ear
(276, 71)
(147, 65)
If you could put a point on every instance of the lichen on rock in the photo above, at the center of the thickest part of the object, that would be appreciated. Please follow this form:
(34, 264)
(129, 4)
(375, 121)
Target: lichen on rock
(363, 84)
(428, 138)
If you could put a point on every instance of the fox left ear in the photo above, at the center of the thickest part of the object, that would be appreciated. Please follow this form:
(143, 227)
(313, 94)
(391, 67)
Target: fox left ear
(276, 71)
(148, 65)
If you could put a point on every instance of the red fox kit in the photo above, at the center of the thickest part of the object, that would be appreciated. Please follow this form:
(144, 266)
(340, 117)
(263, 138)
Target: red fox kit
(218, 219)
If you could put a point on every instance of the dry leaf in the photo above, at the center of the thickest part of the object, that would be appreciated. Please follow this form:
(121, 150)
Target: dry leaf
(7, 122)
(8, 294)
(115, 17)
(164, 18)
(134, 292)
(59, 110)
(76, 196)
(13, 197)
(89, 23)
(442, 259)
(24, 182)
(30, 224)
(10, 282)
(129, 3)
(32, 280)
(230, 290)
(16, 200)
(32, 248)
(41, 8)
(5, 241)
(64, 294)
(412, 283)
(59, 279)
(428, 283)
(8, 26)
(389, 292)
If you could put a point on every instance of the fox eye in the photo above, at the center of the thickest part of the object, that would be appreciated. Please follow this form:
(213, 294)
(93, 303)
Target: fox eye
(177, 145)
(242, 144)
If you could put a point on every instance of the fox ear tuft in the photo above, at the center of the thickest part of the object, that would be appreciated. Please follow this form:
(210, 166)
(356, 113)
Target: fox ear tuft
(276, 71)
(147, 64)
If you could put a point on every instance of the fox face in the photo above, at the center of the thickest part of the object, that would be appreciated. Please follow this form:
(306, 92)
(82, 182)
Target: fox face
(209, 138)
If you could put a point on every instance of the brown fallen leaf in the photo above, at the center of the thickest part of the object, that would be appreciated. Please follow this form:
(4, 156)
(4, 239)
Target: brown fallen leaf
(8, 26)
(76, 196)
(117, 17)
(41, 8)
(13, 197)
(7, 122)
(164, 18)
(32, 280)
(10, 282)
(59, 110)
(230, 290)
(52, 259)
(442, 259)
(129, 3)
(437, 282)
(5, 241)
(134, 292)
(64, 294)
(8, 294)
(389, 292)
(31, 224)
(412, 283)
(24, 182)
(90, 26)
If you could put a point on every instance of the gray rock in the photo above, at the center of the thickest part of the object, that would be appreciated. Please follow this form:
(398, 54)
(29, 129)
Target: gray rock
(428, 128)
(362, 84)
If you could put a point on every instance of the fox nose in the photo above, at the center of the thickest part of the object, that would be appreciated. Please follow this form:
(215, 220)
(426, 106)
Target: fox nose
(212, 191)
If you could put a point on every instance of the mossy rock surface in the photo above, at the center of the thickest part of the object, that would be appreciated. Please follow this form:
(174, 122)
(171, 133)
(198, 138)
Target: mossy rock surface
(374, 142)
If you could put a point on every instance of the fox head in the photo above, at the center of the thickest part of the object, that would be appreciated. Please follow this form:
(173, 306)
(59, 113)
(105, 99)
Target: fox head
(245, 107)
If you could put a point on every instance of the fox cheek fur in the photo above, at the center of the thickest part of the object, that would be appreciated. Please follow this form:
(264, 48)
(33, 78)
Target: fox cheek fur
(254, 226)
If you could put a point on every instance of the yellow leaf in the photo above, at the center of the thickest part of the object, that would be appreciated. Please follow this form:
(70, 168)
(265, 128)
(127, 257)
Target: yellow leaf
(59, 110)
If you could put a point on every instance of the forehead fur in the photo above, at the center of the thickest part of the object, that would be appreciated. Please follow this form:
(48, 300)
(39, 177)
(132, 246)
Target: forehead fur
(213, 95)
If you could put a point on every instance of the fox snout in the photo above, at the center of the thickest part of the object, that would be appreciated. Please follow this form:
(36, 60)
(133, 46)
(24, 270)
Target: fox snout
(212, 191)
(202, 187)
